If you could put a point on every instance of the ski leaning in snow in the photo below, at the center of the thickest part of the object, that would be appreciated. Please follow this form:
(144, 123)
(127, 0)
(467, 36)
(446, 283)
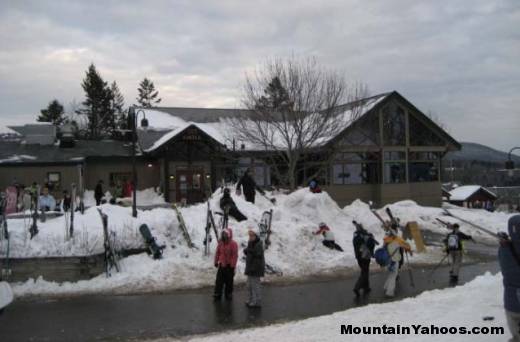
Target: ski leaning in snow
(72, 208)
(482, 229)
(6, 295)
(151, 244)
(265, 228)
(182, 225)
(111, 260)
(210, 223)
(34, 207)
(4, 238)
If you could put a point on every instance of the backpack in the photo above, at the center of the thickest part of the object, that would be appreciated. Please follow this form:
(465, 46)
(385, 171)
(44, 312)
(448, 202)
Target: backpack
(453, 242)
(382, 256)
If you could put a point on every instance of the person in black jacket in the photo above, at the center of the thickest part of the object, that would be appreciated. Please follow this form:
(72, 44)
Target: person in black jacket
(255, 269)
(454, 248)
(98, 192)
(364, 244)
(249, 186)
(228, 206)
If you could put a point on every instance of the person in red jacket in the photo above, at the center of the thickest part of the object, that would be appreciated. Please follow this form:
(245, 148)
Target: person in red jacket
(226, 257)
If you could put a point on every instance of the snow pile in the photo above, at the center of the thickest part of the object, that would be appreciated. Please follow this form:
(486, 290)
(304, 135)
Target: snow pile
(462, 306)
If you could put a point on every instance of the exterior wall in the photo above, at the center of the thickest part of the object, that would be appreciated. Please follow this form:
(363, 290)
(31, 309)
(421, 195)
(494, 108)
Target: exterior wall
(346, 194)
(173, 166)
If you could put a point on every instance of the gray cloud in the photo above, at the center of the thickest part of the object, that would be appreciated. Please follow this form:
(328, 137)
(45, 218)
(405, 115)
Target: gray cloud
(458, 59)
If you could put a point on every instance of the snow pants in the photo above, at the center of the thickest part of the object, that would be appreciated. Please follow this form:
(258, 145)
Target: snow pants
(254, 289)
(389, 287)
(456, 261)
(513, 321)
(332, 245)
(224, 281)
(236, 214)
(363, 280)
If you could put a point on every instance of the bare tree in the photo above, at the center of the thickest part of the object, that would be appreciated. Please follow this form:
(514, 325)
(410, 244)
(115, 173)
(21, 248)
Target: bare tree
(292, 109)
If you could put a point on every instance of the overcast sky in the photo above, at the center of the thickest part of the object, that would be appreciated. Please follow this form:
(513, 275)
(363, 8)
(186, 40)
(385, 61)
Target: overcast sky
(458, 59)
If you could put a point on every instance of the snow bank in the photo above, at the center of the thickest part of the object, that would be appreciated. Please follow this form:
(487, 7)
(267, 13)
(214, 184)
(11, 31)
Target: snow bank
(146, 197)
(462, 306)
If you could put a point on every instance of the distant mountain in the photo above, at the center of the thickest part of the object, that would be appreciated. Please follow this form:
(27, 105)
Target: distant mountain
(477, 152)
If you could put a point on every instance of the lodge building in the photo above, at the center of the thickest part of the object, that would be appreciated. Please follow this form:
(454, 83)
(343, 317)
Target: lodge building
(391, 152)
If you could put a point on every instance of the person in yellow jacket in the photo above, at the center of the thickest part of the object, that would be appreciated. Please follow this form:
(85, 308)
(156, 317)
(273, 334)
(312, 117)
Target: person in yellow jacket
(394, 244)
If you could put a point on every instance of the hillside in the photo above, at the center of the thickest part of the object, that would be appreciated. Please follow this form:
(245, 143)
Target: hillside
(473, 151)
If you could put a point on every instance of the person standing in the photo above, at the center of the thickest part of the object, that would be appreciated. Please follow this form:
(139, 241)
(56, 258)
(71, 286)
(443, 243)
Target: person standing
(364, 244)
(255, 269)
(98, 192)
(509, 260)
(249, 186)
(454, 248)
(394, 244)
(226, 257)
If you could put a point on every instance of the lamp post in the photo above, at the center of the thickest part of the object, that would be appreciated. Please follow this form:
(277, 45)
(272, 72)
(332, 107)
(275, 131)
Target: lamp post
(132, 115)
(510, 164)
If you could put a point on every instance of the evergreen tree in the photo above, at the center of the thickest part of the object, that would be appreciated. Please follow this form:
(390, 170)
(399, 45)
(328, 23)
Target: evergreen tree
(148, 96)
(97, 105)
(275, 98)
(54, 113)
(117, 104)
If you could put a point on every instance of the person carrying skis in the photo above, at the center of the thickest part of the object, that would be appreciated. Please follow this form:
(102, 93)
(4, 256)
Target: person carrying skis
(509, 260)
(328, 237)
(98, 192)
(255, 268)
(394, 244)
(226, 257)
(364, 244)
(454, 248)
(228, 205)
(249, 186)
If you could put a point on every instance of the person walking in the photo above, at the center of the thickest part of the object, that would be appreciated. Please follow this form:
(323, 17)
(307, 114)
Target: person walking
(364, 244)
(454, 247)
(98, 192)
(509, 260)
(248, 184)
(394, 244)
(255, 269)
(226, 257)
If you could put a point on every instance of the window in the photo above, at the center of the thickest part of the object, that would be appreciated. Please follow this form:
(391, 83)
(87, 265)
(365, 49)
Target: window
(424, 166)
(395, 167)
(394, 126)
(356, 168)
(421, 135)
(365, 132)
(119, 178)
(53, 180)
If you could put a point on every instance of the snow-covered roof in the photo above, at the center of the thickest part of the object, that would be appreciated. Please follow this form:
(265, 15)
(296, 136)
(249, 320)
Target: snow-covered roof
(219, 127)
(462, 193)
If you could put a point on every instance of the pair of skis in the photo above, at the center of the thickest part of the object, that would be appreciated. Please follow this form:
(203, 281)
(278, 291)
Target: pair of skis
(265, 228)
(183, 226)
(210, 223)
(4, 236)
(111, 259)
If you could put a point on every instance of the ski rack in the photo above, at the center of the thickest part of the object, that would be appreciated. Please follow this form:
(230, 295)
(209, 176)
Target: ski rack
(482, 229)
(110, 256)
(183, 227)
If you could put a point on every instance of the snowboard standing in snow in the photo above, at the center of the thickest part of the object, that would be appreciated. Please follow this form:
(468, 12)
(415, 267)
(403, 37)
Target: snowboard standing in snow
(183, 227)
(111, 259)
(153, 248)
(265, 228)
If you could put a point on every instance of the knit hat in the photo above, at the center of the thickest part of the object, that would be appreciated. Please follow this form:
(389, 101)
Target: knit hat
(254, 231)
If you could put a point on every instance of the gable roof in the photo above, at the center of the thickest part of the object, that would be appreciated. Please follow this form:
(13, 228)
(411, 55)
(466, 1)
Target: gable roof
(462, 193)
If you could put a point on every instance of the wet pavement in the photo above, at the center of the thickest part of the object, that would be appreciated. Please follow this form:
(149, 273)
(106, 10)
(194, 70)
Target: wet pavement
(115, 318)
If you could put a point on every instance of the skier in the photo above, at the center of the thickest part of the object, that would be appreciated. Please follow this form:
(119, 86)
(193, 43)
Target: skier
(227, 204)
(509, 260)
(47, 201)
(67, 200)
(314, 187)
(454, 248)
(249, 186)
(364, 244)
(328, 237)
(255, 269)
(98, 192)
(394, 244)
(226, 257)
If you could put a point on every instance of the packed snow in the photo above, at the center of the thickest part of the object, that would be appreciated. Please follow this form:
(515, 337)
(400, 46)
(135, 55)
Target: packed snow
(294, 250)
(462, 193)
(462, 306)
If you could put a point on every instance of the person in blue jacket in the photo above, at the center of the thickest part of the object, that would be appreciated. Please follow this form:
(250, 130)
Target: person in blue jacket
(509, 259)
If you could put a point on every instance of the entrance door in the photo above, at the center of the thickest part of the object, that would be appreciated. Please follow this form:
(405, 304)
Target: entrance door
(190, 186)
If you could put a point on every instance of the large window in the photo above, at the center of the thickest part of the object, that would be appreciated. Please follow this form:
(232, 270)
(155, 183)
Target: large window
(421, 135)
(423, 166)
(395, 167)
(356, 168)
(394, 125)
(54, 180)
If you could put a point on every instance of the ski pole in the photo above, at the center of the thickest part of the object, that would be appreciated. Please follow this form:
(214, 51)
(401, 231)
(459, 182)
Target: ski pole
(410, 273)
(437, 266)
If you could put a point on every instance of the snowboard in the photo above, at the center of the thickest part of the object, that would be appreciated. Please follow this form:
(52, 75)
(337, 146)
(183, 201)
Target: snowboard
(183, 227)
(153, 248)
(11, 198)
(265, 228)
(6, 295)
(110, 256)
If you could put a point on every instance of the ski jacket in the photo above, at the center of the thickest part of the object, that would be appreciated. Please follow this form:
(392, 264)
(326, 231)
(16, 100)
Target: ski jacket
(461, 237)
(255, 262)
(510, 266)
(393, 244)
(227, 201)
(47, 202)
(328, 235)
(248, 185)
(226, 254)
(364, 244)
